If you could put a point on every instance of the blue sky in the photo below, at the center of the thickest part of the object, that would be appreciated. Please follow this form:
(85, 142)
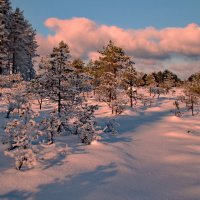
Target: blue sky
(87, 25)
(122, 13)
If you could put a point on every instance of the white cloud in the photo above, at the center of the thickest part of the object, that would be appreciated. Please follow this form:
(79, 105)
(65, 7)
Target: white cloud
(152, 48)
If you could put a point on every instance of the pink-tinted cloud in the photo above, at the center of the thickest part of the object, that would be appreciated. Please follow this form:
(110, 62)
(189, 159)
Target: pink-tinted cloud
(84, 35)
(85, 38)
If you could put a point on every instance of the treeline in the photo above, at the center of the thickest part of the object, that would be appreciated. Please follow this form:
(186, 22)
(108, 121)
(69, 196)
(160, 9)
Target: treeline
(17, 42)
(114, 77)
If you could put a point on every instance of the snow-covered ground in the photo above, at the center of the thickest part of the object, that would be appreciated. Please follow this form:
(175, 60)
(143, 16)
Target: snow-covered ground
(152, 158)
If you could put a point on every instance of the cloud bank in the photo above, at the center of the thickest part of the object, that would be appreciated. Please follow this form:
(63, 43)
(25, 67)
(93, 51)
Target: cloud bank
(153, 49)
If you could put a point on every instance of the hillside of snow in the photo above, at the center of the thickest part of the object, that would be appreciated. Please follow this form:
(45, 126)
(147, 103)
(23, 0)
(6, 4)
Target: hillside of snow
(154, 156)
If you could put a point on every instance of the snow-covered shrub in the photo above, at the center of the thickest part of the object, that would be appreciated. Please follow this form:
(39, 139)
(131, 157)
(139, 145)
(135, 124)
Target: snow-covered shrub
(129, 82)
(20, 135)
(157, 91)
(15, 97)
(145, 100)
(10, 108)
(118, 105)
(111, 127)
(192, 93)
(50, 126)
(23, 157)
(85, 124)
(177, 111)
(36, 90)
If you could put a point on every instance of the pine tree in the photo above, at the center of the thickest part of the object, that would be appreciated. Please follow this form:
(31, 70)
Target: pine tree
(37, 89)
(129, 81)
(192, 92)
(113, 61)
(150, 82)
(16, 39)
(22, 46)
(108, 87)
(5, 19)
(95, 70)
(57, 75)
(27, 70)
(78, 64)
(113, 58)
(65, 85)
(17, 42)
(168, 80)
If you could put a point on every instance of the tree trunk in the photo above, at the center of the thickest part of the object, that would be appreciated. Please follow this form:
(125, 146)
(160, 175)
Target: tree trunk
(192, 107)
(8, 114)
(59, 97)
(131, 97)
(40, 103)
(14, 67)
(13, 64)
(59, 102)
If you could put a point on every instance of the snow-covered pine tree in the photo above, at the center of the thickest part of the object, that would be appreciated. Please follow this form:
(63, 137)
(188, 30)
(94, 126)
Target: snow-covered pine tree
(78, 64)
(37, 89)
(113, 60)
(27, 69)
(22, 45)
(16, 38)
(5, 19)
(107, 90)
(94, 69)
(82, 74)
(64, 85)
(140, 81)
(150, 82)
(129, 81)
(168, 80)
(56, 75)
(192, 92)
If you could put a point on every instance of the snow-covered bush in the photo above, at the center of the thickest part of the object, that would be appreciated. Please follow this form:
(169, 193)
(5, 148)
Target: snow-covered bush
(177, 111)
(23, 157)
(10, 108)
(145, 100)
(20, 135)
(16, 97)
(51, 126)
(118, 105)
(157, 91)
(192, 93)
(85, 124)
(111, 127)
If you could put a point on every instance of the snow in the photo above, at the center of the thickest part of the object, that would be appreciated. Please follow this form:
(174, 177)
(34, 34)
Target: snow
(153, 157)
